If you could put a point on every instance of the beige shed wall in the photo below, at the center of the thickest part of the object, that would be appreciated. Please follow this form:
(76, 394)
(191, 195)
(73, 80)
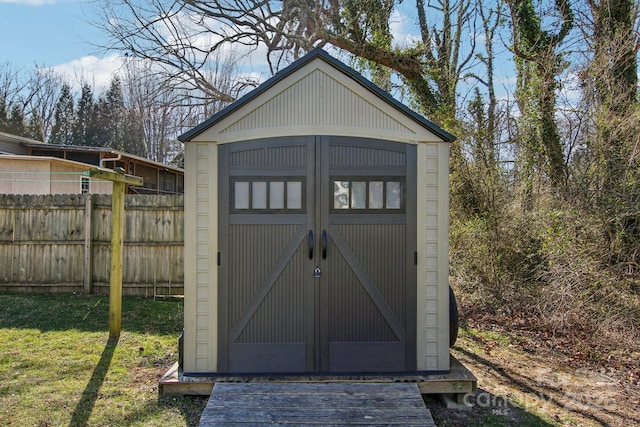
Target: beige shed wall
(200, 260)
(433, 257)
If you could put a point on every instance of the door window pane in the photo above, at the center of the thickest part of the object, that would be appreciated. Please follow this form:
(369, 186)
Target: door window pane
(294, 195)
(241, 189)
(276, 195)
(358, 195)
(376, 195)
(259, 195)
(341, 194)
(394, 195)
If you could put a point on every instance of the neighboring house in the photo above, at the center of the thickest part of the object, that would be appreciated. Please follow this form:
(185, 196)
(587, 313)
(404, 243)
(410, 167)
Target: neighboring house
(47, 175)
(158, 178)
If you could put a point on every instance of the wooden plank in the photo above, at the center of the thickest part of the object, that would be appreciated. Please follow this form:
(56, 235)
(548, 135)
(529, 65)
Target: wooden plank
(458, 382)
(185, 389)
(307, 404)
(347, 388)
(447, 386)
(318, 400)
(295, 414)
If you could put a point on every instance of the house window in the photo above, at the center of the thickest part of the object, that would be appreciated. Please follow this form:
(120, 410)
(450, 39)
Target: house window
(267, 194)
(368, 194)
(85, 185)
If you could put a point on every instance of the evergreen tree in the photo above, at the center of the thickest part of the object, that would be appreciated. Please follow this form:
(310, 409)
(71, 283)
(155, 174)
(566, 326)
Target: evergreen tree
(62, 131)
(134, 134)
(119, 127)
(99, 123)
(84, 126)
(109, 116)
(35, 129)
(16, 123)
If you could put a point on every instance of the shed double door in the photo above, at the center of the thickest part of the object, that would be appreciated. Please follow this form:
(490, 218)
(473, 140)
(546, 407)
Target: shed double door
(317, 245)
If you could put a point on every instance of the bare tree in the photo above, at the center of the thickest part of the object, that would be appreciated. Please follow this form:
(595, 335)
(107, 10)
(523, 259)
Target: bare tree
(10, 83)
(41, 95)
(184, 37)
(155, 105)
(187, 48)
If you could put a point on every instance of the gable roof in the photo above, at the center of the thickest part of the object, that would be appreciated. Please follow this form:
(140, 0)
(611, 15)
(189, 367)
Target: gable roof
(317, 53)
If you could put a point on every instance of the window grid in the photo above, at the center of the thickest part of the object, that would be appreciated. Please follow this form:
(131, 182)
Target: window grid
(367, 194)
(277, 194)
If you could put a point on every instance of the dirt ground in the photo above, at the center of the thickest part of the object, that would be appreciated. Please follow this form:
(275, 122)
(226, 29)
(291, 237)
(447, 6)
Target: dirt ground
(528, 378)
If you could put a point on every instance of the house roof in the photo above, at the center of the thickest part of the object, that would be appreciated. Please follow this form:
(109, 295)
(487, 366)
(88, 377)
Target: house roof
(53, 147)
(15, 138)
(19, 141)
(317, 53)
(13, 144)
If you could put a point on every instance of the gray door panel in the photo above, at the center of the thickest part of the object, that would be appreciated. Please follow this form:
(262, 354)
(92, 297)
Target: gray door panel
(368, 298)
(357, 314)
(265, 313)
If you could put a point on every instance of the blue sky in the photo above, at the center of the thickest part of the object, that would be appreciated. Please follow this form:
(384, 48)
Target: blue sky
(57, 34)
(53, 33)
(44, 32)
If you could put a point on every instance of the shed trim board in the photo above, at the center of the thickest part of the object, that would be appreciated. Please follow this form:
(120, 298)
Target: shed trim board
(237, 149)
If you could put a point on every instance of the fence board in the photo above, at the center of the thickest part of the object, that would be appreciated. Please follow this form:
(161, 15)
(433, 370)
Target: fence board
(43, 240)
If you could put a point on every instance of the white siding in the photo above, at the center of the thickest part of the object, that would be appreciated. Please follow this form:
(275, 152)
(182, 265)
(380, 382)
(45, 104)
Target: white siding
(433, 257)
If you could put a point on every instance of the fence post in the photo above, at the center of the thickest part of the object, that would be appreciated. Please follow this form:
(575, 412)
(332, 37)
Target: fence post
(115, 279)
(88, 234)
(118, 179)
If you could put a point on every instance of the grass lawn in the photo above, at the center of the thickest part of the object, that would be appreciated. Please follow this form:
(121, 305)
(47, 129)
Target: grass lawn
(58, 367)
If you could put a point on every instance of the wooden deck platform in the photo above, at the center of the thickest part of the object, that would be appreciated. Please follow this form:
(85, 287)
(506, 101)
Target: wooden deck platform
(457, 382)
(312, 404)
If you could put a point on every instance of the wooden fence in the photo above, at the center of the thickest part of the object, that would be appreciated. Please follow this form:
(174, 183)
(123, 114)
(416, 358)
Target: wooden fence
(61, 243)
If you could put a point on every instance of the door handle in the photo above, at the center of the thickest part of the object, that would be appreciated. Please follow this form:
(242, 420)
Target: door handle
(324, 244)
(310, 243)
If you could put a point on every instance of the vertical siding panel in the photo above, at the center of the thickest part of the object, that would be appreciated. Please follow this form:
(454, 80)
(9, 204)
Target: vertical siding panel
(317, 99)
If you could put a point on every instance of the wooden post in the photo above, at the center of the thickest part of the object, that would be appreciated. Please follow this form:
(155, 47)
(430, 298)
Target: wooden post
(117, 236)
(87, 271)
(115, 277)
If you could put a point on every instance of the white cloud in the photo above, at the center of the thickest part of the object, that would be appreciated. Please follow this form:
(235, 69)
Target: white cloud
(91, 69)
(29, 2)
(401, 29)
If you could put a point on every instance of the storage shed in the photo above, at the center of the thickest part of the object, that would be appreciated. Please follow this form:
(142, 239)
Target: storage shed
(316, 231)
